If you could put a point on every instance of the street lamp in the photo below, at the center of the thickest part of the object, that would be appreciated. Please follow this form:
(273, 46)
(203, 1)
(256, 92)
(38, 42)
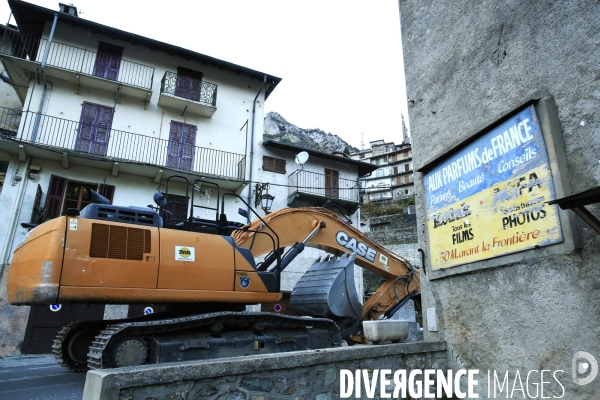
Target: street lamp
(265, 200)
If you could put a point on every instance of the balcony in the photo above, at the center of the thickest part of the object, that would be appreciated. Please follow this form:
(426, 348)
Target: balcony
(22, 55)
(64, 140)
(178, 92)
(312, 189)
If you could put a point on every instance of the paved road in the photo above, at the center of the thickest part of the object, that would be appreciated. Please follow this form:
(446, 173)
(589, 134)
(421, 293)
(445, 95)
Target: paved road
(38, 378)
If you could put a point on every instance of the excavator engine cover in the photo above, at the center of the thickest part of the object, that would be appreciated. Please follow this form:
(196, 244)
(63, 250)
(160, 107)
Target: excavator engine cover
(328, 290)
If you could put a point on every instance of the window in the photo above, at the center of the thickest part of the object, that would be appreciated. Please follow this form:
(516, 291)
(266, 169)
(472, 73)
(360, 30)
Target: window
(406, 167)
(395, 170)
(361, 156)
(178, 207)
(108, 61)
(273, 164)
(63, 194)
(398, 180)
(406, 178)
(379, 172)
(182, 146)
(94, 128)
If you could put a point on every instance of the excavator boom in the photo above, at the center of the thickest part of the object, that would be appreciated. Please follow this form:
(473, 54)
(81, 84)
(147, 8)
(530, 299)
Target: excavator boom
(337, 237)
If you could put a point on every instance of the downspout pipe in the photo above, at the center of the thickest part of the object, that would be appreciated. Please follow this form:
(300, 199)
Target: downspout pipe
(43, 72)
(252, 144)
(15, 213)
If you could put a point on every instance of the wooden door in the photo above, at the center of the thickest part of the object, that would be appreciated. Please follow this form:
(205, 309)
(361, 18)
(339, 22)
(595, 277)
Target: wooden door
(108, 61)
(182, 146)
(43, 324)
(332, 183)
(188, 84)
(94, 128)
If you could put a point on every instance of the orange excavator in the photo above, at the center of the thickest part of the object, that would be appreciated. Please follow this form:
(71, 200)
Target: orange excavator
(205, 272)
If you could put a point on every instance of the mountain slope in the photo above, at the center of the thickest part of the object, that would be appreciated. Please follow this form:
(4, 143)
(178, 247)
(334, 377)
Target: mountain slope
(277, 128)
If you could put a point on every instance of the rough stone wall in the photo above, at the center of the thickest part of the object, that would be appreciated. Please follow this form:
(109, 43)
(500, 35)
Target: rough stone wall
(299, 375)
(465, 63)
(13, 321)
(402, 229)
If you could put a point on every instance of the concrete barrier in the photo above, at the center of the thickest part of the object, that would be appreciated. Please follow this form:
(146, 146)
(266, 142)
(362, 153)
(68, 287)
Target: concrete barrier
(313, 374)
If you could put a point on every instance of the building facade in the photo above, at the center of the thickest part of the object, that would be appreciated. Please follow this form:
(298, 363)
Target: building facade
(117, 113)
(393, 179)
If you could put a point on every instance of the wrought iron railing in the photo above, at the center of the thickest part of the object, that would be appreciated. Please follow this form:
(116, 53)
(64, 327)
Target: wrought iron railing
(78, 138)
(189, 88)
(327, 186)
(10, 118)
(74, 59)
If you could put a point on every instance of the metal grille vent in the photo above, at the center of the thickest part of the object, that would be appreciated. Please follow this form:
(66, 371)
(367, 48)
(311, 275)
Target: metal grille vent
(119, 242)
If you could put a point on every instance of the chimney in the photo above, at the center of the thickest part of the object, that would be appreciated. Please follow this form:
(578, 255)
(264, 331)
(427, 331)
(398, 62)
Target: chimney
(68, 9)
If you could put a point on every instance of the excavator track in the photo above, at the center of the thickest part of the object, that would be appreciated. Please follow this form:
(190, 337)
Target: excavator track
(126, 340)
(69, 347)
(71, 344)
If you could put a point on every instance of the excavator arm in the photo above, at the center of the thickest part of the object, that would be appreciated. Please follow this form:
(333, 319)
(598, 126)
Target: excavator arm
(325, 230)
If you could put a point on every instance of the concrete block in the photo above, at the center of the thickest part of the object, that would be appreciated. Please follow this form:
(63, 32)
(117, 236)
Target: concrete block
(379, 332)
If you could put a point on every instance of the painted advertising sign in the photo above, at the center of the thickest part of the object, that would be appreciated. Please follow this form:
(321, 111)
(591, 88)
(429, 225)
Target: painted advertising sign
(489, 198)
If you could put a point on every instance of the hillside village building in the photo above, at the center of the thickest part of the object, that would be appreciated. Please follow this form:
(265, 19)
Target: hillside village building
(117, 113)
(393, 179)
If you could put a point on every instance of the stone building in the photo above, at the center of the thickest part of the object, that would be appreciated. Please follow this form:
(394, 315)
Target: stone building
(514, 72)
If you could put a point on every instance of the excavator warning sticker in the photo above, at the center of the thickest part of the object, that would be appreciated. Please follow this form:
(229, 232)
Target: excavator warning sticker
(183, 253)
(73, 224)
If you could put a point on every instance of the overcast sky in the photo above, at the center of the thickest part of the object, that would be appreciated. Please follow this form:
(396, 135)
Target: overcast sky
(340, 60)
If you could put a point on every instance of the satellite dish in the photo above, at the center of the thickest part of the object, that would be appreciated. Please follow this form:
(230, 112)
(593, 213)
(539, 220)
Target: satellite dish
(301, 158)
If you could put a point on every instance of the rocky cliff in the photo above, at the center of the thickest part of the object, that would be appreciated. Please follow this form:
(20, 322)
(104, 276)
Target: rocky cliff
(277, 128)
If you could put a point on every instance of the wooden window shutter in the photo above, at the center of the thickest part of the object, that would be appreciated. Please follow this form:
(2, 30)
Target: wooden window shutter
(274, 165)
(279, 166)
(54, 197)
(35, 217)
(107, 191)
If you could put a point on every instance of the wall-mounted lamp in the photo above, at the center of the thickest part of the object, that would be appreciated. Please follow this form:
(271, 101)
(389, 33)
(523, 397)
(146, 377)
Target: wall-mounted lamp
(263, 198)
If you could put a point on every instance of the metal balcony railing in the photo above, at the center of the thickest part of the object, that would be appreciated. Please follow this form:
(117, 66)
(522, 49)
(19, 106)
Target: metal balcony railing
(188, 88)
(10, 118)
(327, 186)
(75, 59)
(96, 141)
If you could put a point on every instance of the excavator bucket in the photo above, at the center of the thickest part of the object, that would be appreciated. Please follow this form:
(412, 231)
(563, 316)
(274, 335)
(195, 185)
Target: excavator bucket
(327, 290)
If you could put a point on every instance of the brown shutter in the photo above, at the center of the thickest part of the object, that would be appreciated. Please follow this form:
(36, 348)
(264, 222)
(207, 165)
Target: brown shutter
(279, 166)
(274, 165)
(267, 163)
(54, 197)
(107, 191)
(35, 218)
